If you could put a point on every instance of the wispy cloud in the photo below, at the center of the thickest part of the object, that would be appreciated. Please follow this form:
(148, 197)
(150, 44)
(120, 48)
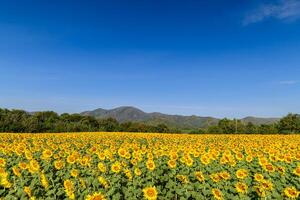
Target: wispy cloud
(288, 82)
(287, 10)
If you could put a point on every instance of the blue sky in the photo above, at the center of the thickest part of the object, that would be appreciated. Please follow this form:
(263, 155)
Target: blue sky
(218, 58)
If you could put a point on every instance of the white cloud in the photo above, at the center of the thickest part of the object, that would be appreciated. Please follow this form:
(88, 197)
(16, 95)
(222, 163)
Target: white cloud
(288, 82)
(282, 10)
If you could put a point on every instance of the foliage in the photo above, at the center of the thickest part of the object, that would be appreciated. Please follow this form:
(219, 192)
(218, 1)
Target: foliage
(288, 124)
(44, 122)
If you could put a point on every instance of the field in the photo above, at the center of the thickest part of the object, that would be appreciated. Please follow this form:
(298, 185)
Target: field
(149, 166)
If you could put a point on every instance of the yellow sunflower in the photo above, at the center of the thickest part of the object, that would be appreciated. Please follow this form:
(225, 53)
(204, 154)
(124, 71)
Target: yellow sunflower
(217, 193)
(101, 167)
(71, 159)
(241, 173)
(172, 164)
(137, 172)
(241, 187)
(297, 171)
(258, 177)
(116, 167)
(150, 165)
(150, 193)
(74, 173)
(291, 192)
(96, 196)
(23, 165)
(200, 177)
(27, 190)
(59, 164)
(34, 166)
(2, 162)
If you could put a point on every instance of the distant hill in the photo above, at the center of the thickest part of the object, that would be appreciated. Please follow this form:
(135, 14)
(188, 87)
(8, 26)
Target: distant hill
(260, 120)
(127, 113)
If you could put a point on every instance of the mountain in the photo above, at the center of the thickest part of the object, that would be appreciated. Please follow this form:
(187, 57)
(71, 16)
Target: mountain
(260, 120)
(127, 113)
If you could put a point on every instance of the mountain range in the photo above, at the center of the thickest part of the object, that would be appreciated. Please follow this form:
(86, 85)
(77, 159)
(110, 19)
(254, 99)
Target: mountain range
(128, 113)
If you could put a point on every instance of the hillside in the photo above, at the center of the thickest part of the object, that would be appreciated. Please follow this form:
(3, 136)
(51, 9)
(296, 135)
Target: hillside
(127, 113)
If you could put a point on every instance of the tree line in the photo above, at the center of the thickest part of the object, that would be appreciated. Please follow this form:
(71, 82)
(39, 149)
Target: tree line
(20, 121)
(287, 125)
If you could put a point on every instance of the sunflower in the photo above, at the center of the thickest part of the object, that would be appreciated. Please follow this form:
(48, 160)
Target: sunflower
(96, 196)
(68, 185)
(27, 190)
(122, 152)
(200, 177)
(74, 173)
(241, 173)
(59, 164)
(288, 159)
(101, 167)
(85, 161)
(23, 165)
(269, 167)
(128, 174)
(134, 161)
(69, 189)
(71, 159)
(223, 160)
(262, 161)
(34, 166)
(239, 156)
(281, 170)
(204, 160)
(101, 156)
(217, 194)
(232, 163)
(291, 192)
(183, 179)
(225, 175)
(4, 181)
(103, 182)
(150, 193)
(44, 181)
(215, 177)
(150, 165)
(47, 154)
(16, 171)
(189, 162)
(150, 156)
(280, 157)
(258, 177)
(267, 185)
(82, 182)
(19, 150)
(137, 171)
(196, 154)
(241, 187)
(2, 162)
(260, 191)
(71, 195)
(249, 158)
(173, 156)
(297, 171)
(172, 164)
(116, 167)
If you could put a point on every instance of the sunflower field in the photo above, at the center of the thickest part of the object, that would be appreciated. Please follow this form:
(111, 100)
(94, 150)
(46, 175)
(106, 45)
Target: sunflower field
(149, 166)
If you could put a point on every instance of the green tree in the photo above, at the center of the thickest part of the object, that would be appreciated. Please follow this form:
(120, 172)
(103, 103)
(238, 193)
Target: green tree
(289, 124)
(109, 124)
(267, 129)
(250, 128)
